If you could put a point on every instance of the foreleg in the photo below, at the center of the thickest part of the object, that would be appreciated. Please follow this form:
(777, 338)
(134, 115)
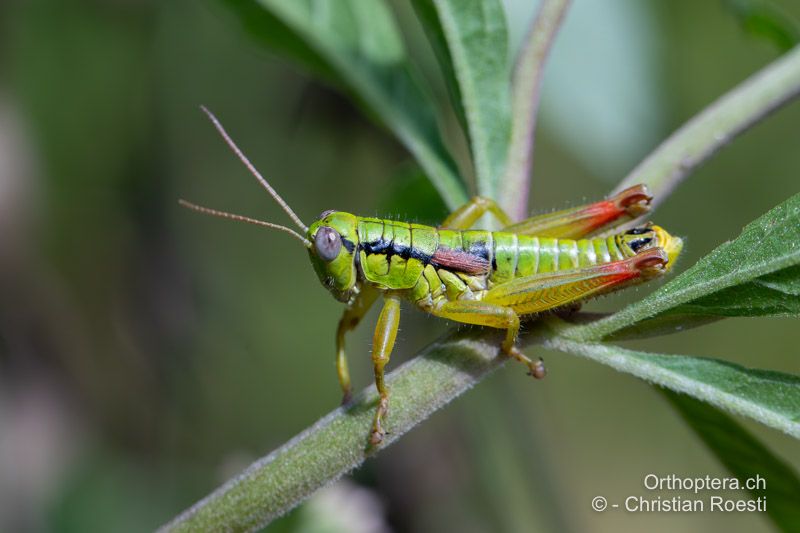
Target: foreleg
(382, 344)
(350, 319)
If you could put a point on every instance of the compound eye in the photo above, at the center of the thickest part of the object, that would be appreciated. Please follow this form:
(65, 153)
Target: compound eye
(328, 242)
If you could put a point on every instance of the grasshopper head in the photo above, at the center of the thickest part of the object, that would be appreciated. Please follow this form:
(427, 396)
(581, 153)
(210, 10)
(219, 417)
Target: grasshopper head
(333, 251)
(643, 238)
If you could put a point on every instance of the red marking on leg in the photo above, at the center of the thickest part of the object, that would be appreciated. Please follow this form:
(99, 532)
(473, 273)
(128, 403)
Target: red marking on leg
(616, 276)
(652, 262)
(654, 257)
(647, 264)
(635, 201)
(593, 216)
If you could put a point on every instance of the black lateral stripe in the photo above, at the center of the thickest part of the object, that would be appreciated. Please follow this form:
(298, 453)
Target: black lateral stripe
(480, 249)
(390, 248)
(638, 243)
(349, 245)
(378, 246)
(638, 231)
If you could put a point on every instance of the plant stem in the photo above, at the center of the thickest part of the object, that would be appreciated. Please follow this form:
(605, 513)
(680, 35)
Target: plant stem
(700, 138)
(338, 442)
(526, 92)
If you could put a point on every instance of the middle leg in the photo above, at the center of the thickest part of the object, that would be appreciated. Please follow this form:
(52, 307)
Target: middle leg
(468, 214)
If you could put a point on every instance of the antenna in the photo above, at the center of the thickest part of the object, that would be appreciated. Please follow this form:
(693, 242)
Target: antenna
(253, 170)
(241, 218)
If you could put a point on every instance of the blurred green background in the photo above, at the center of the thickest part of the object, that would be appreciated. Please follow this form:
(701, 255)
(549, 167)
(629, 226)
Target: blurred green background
(147, 353)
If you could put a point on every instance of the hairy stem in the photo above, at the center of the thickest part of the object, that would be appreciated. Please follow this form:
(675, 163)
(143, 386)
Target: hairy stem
(338, 442)
(526, 93)
(701, 137)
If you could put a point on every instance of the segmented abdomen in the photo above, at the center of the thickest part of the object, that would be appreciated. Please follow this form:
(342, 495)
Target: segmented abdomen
(522, 255)
(510, 256)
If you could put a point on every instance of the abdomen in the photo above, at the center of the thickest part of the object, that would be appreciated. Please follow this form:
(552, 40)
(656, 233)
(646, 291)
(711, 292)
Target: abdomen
(517, 256)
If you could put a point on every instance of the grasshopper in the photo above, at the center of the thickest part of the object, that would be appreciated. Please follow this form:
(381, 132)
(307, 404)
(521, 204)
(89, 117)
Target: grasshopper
(486, 278)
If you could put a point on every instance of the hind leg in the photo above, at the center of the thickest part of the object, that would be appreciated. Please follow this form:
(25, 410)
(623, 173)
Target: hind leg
(585, 220)
(465, 216)
(495, 316)
(550, 290)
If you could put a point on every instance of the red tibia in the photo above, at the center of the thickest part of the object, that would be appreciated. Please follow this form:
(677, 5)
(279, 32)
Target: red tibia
(542, 292)
(646, 264)
(641, 267)
(632, 202)
(635, 201)
(620, 274)
(583, 221)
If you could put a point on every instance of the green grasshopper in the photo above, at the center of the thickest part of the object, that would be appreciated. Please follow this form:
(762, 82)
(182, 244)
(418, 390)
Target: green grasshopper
(487, 278)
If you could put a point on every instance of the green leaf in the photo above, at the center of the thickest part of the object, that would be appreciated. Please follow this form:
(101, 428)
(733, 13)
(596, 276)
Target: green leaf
(356, 44)
(773, 295)
(764, 19)
(471, 43)
(771, 398)
(272, 32)
(426, 13)
(745, 457)
(754, 275)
